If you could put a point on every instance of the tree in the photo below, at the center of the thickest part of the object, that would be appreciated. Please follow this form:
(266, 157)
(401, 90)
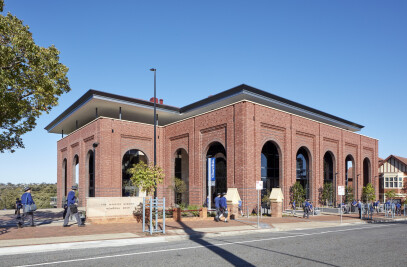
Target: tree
(327, 193)
(146, 177)
(179, 187)
(390, 194)
(368, 193)
(349, 197)
(297, 193)
(31, 80)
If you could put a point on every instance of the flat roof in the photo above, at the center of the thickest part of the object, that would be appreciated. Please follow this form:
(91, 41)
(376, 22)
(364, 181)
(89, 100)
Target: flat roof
(84, 109)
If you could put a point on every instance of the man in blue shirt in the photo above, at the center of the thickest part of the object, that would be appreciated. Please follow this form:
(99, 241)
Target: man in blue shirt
(26, 199)
(72, 208)
(306, 209)
(224, 206)
(398, 209)
(217, 207)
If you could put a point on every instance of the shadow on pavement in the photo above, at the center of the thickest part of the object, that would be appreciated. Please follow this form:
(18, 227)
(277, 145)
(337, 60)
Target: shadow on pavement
(229, 257)
(282, 253)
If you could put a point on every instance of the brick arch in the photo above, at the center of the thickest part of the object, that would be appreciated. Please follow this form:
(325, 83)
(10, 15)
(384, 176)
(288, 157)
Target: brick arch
(311, 171)
(367, 171)
(280, 160)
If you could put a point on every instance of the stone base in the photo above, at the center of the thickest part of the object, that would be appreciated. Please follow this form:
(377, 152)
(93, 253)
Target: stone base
(276, 209)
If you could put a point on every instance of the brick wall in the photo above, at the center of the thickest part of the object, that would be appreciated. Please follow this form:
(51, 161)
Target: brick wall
(242, 129)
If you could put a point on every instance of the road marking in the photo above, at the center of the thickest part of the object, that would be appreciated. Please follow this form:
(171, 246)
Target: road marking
(201, 246)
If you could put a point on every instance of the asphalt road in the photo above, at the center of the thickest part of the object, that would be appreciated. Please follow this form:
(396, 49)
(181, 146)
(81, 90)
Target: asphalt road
(358, 245)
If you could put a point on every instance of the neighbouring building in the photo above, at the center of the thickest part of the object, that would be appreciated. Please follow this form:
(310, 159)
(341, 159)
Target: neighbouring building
(252, 134)
(393, 176)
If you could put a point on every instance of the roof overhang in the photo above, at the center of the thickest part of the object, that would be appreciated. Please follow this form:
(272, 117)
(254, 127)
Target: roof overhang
(109, 105)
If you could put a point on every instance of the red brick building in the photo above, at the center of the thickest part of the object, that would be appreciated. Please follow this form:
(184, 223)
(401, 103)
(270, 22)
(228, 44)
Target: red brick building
(252, 134)
(393, 177)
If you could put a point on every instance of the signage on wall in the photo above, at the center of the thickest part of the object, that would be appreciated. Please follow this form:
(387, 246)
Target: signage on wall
(341, 190)
(259, 185)
(211, 171)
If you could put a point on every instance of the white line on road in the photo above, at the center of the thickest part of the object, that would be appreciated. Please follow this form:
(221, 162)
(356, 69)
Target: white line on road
(201, 246)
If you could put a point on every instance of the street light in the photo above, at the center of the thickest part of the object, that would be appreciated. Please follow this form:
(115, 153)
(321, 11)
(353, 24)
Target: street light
(155, 126)
(357, 185)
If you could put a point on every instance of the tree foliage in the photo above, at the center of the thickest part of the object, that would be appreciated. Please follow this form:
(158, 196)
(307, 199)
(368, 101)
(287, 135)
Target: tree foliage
(349, 196)
(179, 187)
(297, 193)
(368, 193)
(146, 177)
(31, 80)
(390, 194)
(41, 194)
(327, 193)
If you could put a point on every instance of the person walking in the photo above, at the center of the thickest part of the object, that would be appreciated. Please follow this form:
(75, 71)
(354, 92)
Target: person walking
(306, 209)
(18, 213)
(26, 199)
(217, 207)
(377, 206)
(224, 207)
(293, 207)
(72, 208)
(360, 209)
(398, 209)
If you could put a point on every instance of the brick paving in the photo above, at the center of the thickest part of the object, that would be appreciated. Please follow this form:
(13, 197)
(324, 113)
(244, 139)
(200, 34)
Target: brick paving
(50, 225)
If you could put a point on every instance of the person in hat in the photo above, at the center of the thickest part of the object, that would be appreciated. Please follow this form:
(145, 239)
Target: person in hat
(217, 206)
(72, 208)
(224, 206)
(26, 199)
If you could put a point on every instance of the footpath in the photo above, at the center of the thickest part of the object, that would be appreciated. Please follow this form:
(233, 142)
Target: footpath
(49, 229)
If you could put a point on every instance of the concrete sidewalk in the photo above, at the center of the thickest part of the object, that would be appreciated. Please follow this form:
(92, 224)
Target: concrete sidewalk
(49, 229)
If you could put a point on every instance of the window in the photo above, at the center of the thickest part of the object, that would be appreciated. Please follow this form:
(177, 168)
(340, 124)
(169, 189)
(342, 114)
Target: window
(391, 182)
(387, 182)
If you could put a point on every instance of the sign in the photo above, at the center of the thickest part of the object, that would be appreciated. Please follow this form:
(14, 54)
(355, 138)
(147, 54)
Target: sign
(211, 171)
(341, 190)
(259, 185)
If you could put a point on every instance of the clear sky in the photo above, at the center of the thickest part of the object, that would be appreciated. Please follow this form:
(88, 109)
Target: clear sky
(346, 58)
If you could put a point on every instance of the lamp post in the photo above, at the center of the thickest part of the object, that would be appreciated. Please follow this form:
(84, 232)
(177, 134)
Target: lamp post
(336, 187)
(155, 126)
(357, 185)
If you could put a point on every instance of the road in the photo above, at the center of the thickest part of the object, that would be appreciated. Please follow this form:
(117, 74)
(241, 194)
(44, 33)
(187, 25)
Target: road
(357, 245)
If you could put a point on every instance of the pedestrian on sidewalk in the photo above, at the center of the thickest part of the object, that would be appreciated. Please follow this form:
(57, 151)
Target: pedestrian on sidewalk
(306, 209)
(18, 213)
(72, 208)
(26, 199)
(360, 208)
(293, 207)
(398, 209)
(377, 206)
(217, 207)
(224, 207)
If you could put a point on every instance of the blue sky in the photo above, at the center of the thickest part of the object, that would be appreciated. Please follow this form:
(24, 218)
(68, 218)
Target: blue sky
(346, 58)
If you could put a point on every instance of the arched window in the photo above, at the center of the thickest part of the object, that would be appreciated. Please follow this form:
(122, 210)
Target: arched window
(91, 174)
(304, 170)
(366, 171)
(130, 158)
(181, 171)
(349, 171)
(64, 178)
(217, 151)
(75, 173)
(329, 176)
(270, 167)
